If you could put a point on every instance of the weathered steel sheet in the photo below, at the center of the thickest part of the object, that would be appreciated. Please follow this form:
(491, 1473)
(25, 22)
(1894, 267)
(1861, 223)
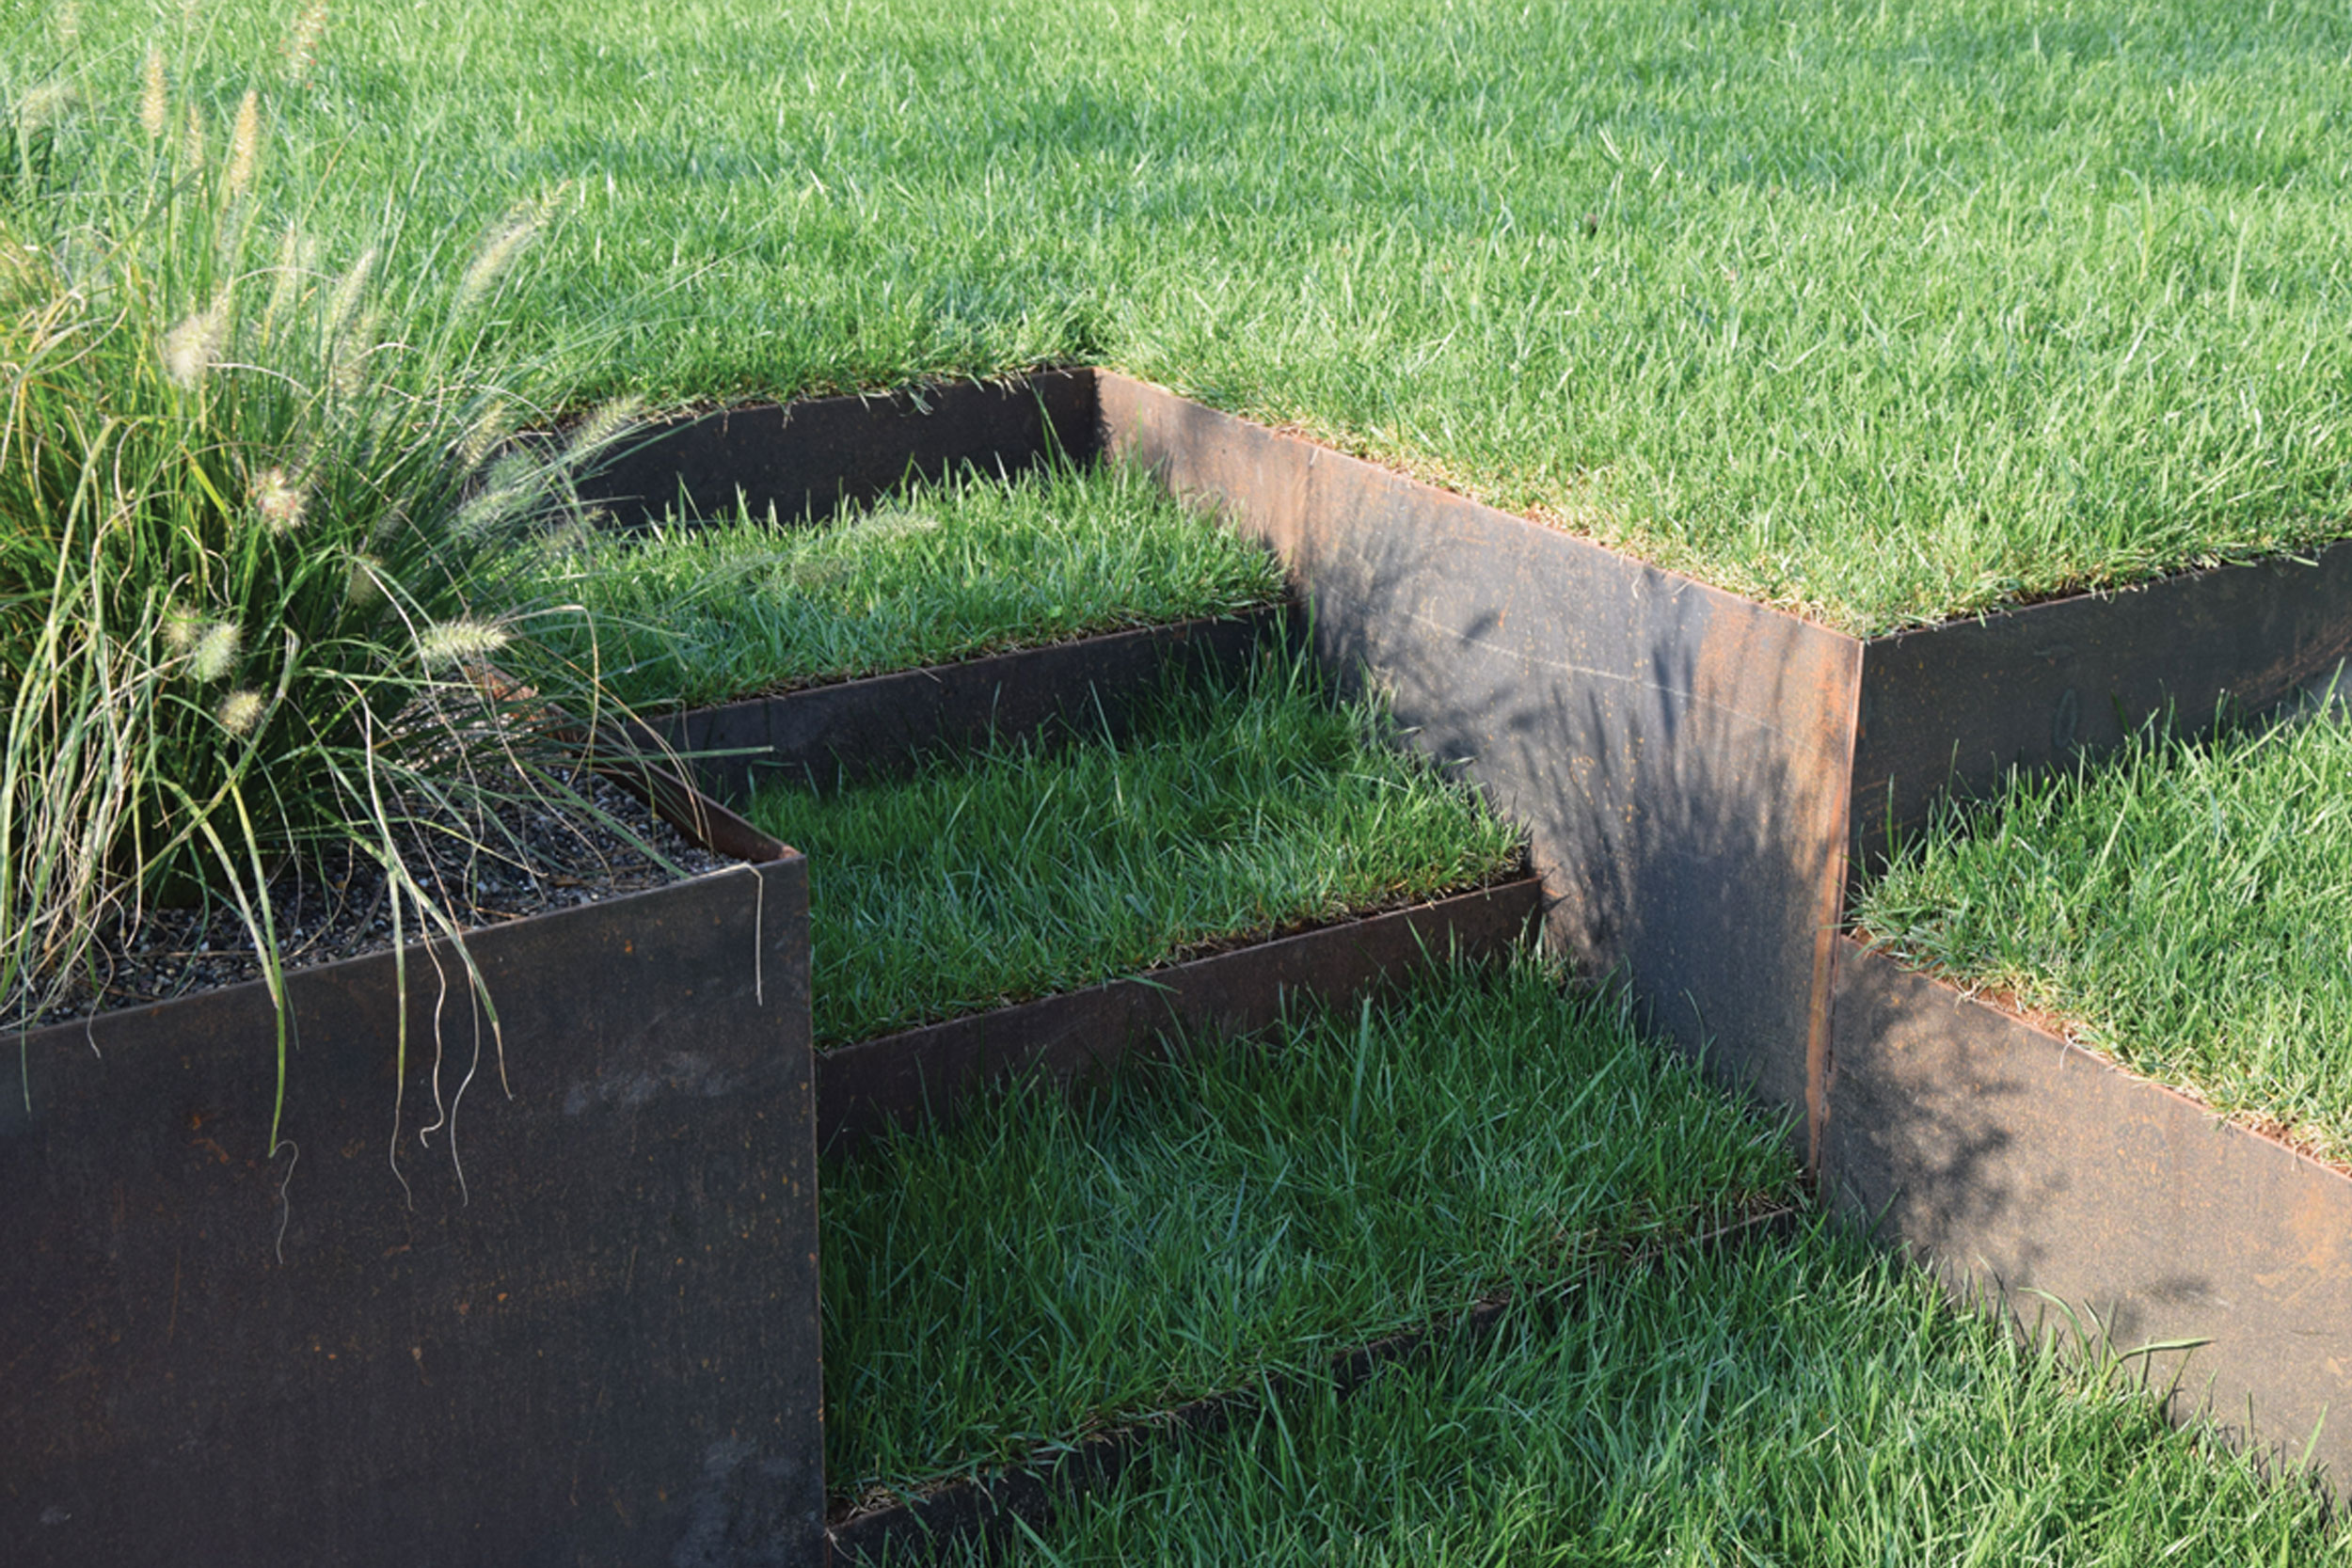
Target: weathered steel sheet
(1958, 706)
(808, 460)
(863, 729)
(1680, 755)
(921, 1074)
(579, 1324)
(2016, 1164)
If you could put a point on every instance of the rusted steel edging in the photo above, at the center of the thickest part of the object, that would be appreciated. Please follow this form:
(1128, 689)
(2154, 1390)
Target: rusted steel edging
(881, 725)
(921, 1075)
(813, 458)
(1697, 771)
(2034, 1172)
(923, 1529)
(1957, 705)
(579, 1324)
(1679, 756)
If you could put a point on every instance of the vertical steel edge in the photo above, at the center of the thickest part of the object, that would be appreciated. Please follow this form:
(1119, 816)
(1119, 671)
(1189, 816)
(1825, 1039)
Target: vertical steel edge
(2035, 1174)
(1679, 756)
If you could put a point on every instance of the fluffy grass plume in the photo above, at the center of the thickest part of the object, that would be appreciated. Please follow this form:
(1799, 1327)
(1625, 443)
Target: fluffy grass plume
(240, 545)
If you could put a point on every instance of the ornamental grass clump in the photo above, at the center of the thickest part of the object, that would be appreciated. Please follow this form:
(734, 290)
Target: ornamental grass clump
(247, 496)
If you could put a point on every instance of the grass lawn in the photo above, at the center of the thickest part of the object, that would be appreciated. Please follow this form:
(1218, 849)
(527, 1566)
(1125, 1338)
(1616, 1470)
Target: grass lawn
(1818, 1404)
(1885, 310)
(690, 616)
(2184, 904)
(1047, 1270)
(1234, 808)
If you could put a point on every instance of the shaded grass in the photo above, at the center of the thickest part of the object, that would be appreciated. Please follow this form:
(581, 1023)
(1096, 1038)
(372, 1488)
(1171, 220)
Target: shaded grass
(1047, 1270)
(1236, 807)
(1818, 1404)
(693, 616)
(2185, 904)
(1893, 311)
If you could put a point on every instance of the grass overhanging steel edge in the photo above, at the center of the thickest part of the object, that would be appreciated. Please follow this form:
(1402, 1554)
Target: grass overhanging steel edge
(923, 1527)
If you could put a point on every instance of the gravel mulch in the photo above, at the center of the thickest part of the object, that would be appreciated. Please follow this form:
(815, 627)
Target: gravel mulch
(339, 908)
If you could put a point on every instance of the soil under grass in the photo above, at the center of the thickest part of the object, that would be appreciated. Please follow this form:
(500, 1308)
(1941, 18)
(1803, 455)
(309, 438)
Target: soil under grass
(1818, 1403)
(1233, 809)
(695, 615)
(1892, 312)
(2183, 907)
(1049, 1268)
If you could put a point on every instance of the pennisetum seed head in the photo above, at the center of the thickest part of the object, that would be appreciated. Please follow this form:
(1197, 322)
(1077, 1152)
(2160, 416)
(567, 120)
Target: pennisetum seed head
(599, 429)
(240, 712)
(460, 641)
(215, 651)
(194, 346)
(192, 141)
(154, 96)
(497, 252)
(487, 434)
(302, 45)
(344, 304)
(281, 502)
(245, 144)
(45, 106)
(364, 590)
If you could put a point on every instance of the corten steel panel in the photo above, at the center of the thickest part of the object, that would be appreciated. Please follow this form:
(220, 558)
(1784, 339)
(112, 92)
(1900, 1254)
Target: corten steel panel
(808, 460)
(920, 1075)
(880, 726)
(1679, 756)
(585, 1331)
(1959, 705)
(2011, 1161)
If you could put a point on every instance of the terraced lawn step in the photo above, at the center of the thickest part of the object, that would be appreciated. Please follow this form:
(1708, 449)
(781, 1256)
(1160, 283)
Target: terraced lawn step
(881, 727)
(1235, 810)
(1807, 1401)
(926, 1074)
(995, 1508)
(1048, 1269)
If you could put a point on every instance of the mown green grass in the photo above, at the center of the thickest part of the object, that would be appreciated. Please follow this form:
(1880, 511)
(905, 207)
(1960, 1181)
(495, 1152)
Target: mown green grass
(2184, 904)
(1892, 311)
(693, 615)
(1047, 1270)
(1820, 1404)
(1235, 807)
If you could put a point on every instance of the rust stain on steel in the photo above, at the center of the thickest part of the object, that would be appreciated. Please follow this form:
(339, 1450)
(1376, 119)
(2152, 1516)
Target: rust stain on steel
(881, 725)
(810, 459)
(922, 1074)
(2014, 1163)
(1820, 1052)
(1960, 704)
(589, 1316)
(1681, 756)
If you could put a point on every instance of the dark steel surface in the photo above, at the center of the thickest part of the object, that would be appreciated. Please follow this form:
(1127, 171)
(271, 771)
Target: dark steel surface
(1959, 705)
(1680, 755)
(808, 460)
(586, 1332)
(881, 726)
(921, 1074)
(698, 815)
(2013, 1164)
